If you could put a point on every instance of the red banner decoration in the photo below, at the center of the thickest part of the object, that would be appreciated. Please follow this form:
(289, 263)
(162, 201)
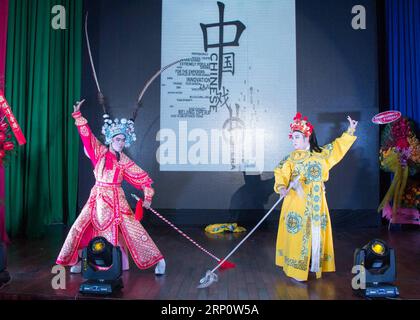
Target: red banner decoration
(5, 109)
(386, 117)
(4, 13)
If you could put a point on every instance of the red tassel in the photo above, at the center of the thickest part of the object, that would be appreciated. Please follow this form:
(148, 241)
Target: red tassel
(227, 265)
(108, 161)
(139, 210)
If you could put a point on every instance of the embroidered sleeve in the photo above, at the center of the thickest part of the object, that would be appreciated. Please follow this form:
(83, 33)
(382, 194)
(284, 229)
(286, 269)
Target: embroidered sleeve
(338, 148)
(282, 174)
(138, 178)
(92, 146)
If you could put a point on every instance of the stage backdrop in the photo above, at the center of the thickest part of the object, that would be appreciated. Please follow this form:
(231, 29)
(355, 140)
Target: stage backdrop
(247, 67)
(224, 107)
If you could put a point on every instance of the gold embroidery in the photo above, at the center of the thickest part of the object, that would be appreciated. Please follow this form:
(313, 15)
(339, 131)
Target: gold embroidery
(103, 213)
(142, 248)
(124, 160)
(299, 155)
(80, 121)
(84, 131)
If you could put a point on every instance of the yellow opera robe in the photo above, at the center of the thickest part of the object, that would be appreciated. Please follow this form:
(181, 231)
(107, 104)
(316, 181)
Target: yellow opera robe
(304, 239)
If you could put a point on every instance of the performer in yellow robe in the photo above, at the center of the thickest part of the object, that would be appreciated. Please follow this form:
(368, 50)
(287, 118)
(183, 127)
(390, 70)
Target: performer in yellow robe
(304, 239)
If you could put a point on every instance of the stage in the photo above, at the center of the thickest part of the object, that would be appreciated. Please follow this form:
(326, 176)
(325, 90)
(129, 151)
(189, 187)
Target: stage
(255, 277)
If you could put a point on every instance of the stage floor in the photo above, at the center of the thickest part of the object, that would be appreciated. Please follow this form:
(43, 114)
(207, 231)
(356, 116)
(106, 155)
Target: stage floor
(256, 277)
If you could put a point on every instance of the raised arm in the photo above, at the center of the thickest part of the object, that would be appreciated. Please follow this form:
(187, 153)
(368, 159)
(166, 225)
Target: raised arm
(92, 146)
(339, 147)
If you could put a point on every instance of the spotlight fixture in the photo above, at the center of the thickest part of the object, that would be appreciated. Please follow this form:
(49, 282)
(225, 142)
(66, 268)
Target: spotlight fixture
(101, 266)
(378, 263)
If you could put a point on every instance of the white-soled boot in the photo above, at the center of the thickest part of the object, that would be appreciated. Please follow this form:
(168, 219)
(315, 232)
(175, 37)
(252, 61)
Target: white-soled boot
(77, 268)
(160, 267)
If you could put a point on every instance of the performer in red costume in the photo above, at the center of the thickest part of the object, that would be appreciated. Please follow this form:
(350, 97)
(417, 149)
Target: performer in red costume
(107, 212)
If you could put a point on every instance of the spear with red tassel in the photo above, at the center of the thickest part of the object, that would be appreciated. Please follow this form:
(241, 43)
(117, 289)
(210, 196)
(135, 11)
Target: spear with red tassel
(139, 215)
(211, 276)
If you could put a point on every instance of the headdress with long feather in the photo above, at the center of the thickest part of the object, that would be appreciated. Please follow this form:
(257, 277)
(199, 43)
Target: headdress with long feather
(117, 126)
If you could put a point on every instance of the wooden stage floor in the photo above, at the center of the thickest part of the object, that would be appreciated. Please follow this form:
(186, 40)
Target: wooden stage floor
(255, 277)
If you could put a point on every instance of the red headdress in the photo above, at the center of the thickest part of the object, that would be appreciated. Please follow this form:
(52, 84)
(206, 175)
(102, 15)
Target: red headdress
(302, 125)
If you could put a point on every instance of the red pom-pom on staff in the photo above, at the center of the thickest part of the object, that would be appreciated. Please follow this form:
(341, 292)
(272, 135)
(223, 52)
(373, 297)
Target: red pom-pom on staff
(227, 265)
(139, 210)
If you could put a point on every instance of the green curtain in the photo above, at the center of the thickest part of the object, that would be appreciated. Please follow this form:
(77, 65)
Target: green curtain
(43, 77)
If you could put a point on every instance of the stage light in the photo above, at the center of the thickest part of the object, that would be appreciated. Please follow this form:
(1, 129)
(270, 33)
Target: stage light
(98, 246)
(101, 266)
(4, 275)
(99, 252)
(378, 248)
(377, 260)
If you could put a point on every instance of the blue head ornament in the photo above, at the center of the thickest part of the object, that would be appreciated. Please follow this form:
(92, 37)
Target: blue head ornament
(119, 126)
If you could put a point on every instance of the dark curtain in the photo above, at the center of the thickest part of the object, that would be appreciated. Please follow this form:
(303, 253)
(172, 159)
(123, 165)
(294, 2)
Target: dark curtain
(403, 49)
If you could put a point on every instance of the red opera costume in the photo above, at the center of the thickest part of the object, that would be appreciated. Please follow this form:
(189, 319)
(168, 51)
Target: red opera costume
(107, 212)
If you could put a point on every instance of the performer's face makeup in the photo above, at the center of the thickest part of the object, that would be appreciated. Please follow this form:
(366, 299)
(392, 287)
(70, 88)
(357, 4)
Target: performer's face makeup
(118, 142)
(299, 141)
